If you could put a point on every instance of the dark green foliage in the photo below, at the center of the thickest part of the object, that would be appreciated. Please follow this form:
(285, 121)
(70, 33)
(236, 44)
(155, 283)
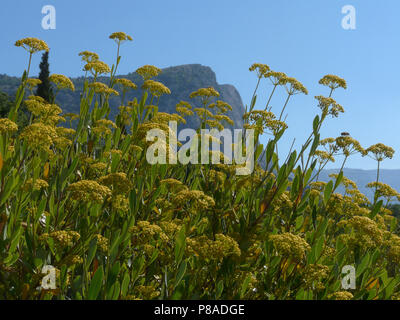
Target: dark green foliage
(44, 89)
(5, 104)
(395, 208)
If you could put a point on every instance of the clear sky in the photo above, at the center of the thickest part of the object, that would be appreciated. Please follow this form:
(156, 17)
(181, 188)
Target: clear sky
(304, 39)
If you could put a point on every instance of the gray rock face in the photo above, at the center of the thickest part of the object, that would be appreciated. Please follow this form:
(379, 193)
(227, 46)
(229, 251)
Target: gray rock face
(182, 81)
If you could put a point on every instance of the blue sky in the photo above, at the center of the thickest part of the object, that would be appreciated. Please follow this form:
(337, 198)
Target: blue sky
(304, 39)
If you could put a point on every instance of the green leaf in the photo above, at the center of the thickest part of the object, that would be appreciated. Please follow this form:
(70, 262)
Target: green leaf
(315, 144)
(180, 274)
(245, 285)
(125, 285)
(338, 180)
(363, 265)
(376, 209)
(180, 243)
(259, 149)
(220, 289)
(319, 247)
(96, 284)
(315, 124)
(328, 191)
(92, 251)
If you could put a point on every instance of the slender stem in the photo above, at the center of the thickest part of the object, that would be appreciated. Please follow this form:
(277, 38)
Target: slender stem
(377, 173)
(284, 107)
(341, 169)
(255, 90)
(270, 96)
(29, 65)
(377, 180)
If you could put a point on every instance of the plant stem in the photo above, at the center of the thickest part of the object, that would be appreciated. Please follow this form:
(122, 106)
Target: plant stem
(270, 96)
(284, 107)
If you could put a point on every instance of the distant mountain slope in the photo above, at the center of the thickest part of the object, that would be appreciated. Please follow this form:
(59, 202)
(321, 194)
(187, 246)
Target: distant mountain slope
(363, 177)
(181, 80)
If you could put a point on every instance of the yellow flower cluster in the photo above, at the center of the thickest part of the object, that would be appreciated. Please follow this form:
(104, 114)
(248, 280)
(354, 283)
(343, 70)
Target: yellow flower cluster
(165, 118)
(88, 190)
(173, 184)
(196, 198)
(210, 250)
(39, 136)
(260, 120)
(126, 83)
(205, 92)
(120, 203)
(97, 167)
(345, 181)
(146, 126)
(184, 108)
(329, 106)
(146, 292)
(48, 113)
(102, 88)
(341, 295)
(36, 184)
(349, 146)
(7, 126)
(65, 132)
(324, 156)
(62, 82)
(313, 274)
(277, 78)
(97, 67)
(144, 232)
(333, 82)
(222, 106)
(367, 233)
(120, 36)
(71, 116)
(103, 126)
(62, 238)
(283, 203)
(73, 260)
(290, 245)
(261, 69)
(380, 151)
(119, 182)
(32, 45)
(32, 83)
(383, 190)
(294, 86)
(88, 56)
(147, 72)
(102, 243)
(224, 118)
(156, 88)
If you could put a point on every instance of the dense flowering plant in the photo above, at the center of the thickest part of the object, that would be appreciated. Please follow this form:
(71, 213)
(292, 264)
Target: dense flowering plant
(77, 193)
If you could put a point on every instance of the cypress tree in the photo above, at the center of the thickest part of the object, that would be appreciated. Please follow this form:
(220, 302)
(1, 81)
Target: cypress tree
(44, 89)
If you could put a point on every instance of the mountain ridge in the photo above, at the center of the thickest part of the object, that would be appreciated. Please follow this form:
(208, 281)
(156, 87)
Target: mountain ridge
(181, 80)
